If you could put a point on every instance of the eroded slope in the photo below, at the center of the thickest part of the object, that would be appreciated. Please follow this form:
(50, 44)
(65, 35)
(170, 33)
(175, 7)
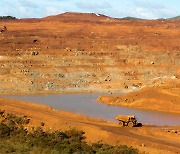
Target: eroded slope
(81, 54)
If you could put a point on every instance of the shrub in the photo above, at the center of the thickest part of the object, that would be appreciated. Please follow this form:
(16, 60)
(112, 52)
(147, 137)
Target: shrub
(4, 130)
(10, 116)
(75, 134)
(39, 141)
(26, 121)
(42, 123)
(2, 113)
(19, 120)
(11, 123)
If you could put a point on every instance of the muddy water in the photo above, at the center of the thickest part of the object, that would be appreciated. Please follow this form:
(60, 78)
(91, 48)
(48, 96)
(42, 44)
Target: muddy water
(86, 104)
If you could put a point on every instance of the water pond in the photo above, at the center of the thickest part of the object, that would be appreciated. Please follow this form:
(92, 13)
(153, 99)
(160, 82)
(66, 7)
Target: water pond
(86, 104)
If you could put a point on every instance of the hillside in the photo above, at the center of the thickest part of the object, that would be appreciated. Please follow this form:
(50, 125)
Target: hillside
(131, 18)
(86, 52)
(175, 18)
(80, 17)
(76, 52)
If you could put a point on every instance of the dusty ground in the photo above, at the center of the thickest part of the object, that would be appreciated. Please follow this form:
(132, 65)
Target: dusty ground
(151, 139)
(76, 52)
(89, 53)
(164, 98)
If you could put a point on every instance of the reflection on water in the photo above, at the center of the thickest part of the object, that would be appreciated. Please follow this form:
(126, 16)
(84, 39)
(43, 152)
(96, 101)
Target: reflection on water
(86, 104)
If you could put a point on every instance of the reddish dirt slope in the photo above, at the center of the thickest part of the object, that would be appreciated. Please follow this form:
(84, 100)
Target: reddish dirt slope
(76, 52)
(165, 99)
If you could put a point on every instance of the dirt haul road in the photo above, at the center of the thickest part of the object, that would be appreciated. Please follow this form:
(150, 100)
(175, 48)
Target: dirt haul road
(107, 132)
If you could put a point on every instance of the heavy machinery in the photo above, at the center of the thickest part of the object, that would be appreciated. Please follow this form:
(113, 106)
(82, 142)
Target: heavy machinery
(126, 120)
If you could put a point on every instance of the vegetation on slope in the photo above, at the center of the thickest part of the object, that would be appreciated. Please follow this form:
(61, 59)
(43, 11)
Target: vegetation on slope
(15, 138)
(175, 18)
(7, 17)
(131, 18)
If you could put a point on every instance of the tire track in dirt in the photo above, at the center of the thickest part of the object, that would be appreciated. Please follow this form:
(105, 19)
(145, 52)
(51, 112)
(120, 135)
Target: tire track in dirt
(126, 132)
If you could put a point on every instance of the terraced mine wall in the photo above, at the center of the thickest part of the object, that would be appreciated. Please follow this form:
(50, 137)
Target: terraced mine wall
(84, 72)
(56, 57)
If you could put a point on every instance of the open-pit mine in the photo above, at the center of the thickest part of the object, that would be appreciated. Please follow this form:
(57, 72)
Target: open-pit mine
(87, 53)
(131, 63)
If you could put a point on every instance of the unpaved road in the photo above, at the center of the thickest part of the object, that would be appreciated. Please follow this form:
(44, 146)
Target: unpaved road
(127, 132)
(108, 132)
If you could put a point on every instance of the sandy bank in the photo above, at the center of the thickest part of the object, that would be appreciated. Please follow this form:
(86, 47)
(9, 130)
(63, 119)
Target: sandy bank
(166, 99)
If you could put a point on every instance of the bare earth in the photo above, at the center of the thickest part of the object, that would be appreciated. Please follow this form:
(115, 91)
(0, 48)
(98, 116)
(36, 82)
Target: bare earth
(148, 138)
(78, 53)
(166, 99)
